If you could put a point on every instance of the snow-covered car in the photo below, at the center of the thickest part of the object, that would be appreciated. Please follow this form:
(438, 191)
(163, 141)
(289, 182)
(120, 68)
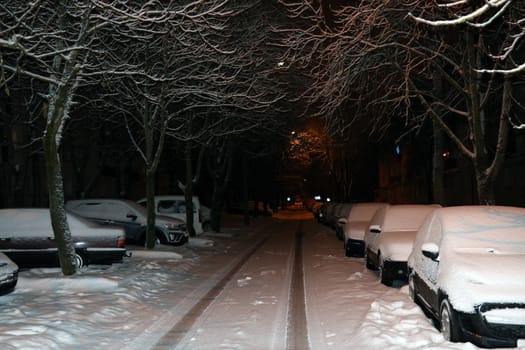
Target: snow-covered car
(132, 217)
(390, 238)
(341, 211)
(175, 206)
(355, 225)
(8, 274)
(466, 271)
(27, 238)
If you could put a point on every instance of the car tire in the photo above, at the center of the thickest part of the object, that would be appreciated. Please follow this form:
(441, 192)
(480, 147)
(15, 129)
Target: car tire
(348, 251)
(368, 263)
(449, 322)
(79, 260)
(384, 274)
(412, 289)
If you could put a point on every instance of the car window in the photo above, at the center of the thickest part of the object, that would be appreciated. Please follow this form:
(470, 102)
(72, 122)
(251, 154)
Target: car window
(166, 206)
(362, 212)
(435, 232)
(90, 210)
(118, 211)
(399, 218)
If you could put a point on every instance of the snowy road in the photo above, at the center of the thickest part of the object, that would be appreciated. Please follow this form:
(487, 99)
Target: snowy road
(281, 283)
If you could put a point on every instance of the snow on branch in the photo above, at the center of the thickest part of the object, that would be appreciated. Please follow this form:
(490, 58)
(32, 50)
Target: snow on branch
(467, 18)
(482, 17)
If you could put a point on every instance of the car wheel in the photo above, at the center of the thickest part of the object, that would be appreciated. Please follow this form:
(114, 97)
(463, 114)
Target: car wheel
(449, 322)
(368, 262)
(347, 246)
(384, 274)
(79, 261)
(412, 292)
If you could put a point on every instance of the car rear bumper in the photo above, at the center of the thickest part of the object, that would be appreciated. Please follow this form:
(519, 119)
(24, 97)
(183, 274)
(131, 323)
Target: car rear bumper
(355, 247)
(396, 270)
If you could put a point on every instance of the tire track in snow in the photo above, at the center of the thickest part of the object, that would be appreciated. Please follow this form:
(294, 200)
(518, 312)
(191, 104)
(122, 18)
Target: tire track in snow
(177, 333)
(297, 332)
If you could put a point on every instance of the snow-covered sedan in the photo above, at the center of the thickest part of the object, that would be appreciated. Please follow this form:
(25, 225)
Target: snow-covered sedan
(355, 225)
(390, 237)
(27, 238)
(8, 274)
(466, 271)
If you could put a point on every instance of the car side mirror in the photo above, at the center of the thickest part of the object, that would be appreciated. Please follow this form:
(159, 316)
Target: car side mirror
(430, 250)
(131, 216)
(375, 228)
(342, 221)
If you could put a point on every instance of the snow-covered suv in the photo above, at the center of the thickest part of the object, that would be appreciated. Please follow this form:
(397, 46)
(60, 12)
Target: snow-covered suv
(175, 206)
(131, 216)
(390, 237)
(466, 271)
(355, 225)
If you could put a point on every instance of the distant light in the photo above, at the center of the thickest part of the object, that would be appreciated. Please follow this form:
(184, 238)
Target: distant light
(397, 150)
(446, 154)
(317, 198)
(328, 199)
(288, 199)
(280, 64)
(293, 132)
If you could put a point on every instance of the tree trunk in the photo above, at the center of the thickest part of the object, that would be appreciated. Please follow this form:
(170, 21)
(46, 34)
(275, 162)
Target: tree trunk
(438, 193)
(216, 208)
(246, 211)
(188, 191)
(66, 250)
(150, 203)
(485, 187)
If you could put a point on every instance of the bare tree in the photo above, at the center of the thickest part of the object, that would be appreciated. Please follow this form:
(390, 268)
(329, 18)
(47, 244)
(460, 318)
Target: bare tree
(483, 15)
(372, 58)
(61, 46)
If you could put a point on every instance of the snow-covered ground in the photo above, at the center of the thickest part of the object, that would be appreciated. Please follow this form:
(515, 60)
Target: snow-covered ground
(136, 304)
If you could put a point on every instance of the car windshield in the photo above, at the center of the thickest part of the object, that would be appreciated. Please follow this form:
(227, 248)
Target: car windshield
(362, 212)
(405, 218)
(138, 208)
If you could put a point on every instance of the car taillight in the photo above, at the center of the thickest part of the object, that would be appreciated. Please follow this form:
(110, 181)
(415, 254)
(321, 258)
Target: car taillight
(121, 242)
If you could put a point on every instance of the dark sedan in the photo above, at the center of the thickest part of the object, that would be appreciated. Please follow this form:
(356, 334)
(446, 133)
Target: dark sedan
(27, 238)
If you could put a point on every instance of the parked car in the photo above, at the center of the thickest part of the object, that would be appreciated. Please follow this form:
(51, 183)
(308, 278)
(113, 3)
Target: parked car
(341, 211)
(27, 238)
(466, 271)
(390, 237)
(132, 217)
(175, 206)
(355, 225)
(8, 274)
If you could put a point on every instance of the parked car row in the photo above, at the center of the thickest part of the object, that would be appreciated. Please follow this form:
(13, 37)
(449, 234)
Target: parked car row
(462, 264)
(100, 229)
